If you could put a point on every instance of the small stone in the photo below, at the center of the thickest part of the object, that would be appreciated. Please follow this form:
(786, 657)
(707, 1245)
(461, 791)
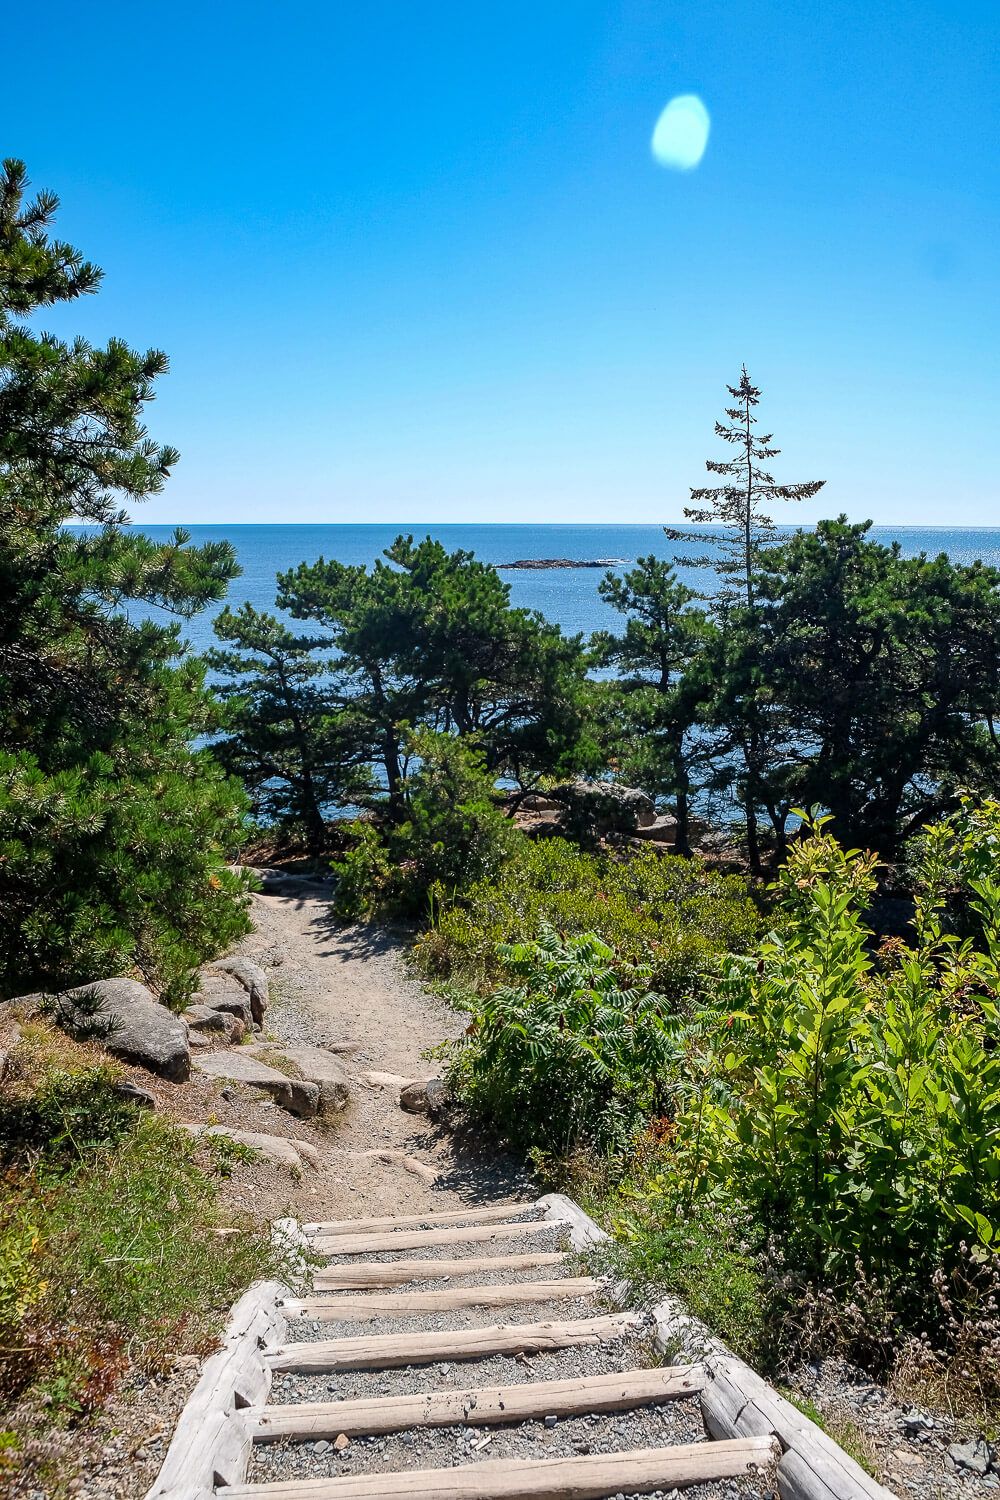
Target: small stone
(322, 1446)
(341, 1442)
(974, 1455)
(550, 1421)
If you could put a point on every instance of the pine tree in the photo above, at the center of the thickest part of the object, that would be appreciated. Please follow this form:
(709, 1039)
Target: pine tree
(737, 507)
(114, 835)
(653, 702)
(745, 531)
(286, 737)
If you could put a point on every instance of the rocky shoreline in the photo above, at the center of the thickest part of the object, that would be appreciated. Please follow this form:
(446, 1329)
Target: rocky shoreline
(539, 564)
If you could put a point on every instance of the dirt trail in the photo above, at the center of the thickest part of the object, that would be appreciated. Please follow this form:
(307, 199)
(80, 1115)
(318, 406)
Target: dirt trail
(331, 984)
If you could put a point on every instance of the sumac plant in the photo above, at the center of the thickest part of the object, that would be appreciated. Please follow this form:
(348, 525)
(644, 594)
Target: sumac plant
(577, 1053)
(851, 1096)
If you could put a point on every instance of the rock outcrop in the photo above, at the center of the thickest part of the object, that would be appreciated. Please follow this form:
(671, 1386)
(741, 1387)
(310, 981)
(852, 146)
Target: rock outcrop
(127, 1020)
(297, 1095)
(284, 1152)
(593, 809)
(251, 977)
(316, 1066)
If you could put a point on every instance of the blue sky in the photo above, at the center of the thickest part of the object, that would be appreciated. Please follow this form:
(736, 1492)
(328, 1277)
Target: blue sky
(415, 262)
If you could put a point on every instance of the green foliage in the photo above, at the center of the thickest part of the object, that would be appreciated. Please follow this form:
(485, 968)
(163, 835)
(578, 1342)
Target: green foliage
(674, 915)
(107, 1250)
(651, 708)
(292, 746)
(428, 637)
(114, 837)
(579, 1051)
(883, 670)
(853, 1102)
(68, 1113)
(450, 833)
(706, 1258)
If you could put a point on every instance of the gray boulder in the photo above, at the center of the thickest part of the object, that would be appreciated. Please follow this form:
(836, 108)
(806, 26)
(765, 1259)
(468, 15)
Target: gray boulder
(252, 978)
(299, 1096)
(424, 1097)
(659, 831)
(595, 808)
(219, 992)
(130, 1023)
(317, 1066)
(224, 1025)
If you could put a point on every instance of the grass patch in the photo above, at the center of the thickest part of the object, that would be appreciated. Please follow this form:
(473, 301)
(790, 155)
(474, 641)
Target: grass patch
(109, 1255)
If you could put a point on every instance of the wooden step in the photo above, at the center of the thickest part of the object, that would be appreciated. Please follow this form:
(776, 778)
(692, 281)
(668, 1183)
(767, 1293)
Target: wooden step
(388, 1350)
(594, 1476)
(417, 1239)
(370, 1273)
(416, 1221)
(400, 1304)
(619, 1391)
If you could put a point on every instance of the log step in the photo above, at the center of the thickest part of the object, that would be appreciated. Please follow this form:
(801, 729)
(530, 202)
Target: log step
(417, 1221)
(390, 1350)
(374, 1273)
(418, 1239)
(595, 1476)
(359, 1309)
(489, 1407)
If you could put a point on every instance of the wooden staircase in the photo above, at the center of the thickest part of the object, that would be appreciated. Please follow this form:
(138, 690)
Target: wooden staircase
(380, 1271)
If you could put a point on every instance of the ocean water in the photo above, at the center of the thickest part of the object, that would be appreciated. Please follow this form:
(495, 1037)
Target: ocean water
(568, 597)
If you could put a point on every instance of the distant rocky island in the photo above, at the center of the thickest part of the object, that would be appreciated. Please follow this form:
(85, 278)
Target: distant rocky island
(537, 563)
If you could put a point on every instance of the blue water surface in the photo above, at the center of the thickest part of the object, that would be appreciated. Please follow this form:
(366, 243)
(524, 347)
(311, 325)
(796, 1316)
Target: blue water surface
(568, 597)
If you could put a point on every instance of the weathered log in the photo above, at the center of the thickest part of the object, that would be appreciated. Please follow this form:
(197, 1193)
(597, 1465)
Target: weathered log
(212, 1437)
(737, 1402)
(418, 1221)
(372, 1273)
(591, 1477)
(489, 1407)
(331, 1309)
(389, 1350)
(417, 1239)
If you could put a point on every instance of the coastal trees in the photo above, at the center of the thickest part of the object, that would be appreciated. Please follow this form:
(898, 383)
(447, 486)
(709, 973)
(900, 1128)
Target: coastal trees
(114, 835)
(888, 669)
(747, 732)
(656, 694)
(285, 737)
(428, 637)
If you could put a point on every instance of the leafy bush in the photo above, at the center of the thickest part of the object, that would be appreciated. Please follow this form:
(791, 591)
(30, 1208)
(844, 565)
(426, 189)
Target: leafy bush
(852, 1101)
(452, 835)
(579, 1050)
(675, 915)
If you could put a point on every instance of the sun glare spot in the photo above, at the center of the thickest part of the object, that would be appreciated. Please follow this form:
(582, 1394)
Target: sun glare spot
(681, 133)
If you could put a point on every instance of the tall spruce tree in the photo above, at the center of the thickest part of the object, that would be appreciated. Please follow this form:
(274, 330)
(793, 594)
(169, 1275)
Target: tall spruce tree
(748, 722)
(114, 835)
(737, 507)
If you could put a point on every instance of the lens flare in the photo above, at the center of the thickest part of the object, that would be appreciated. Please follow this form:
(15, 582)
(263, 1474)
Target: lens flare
(681, 133)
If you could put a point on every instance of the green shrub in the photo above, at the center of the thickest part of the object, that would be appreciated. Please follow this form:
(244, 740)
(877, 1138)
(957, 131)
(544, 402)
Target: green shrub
(709, 1260)
(851, 1100)
(579, 1051)
(452, 835)
(674, 915)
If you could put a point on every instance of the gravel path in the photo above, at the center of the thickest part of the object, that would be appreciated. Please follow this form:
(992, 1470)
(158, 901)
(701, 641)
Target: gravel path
(332, 984)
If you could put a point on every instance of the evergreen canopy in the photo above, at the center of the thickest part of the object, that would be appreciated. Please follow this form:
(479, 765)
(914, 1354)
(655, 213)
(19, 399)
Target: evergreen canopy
(113, 834)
